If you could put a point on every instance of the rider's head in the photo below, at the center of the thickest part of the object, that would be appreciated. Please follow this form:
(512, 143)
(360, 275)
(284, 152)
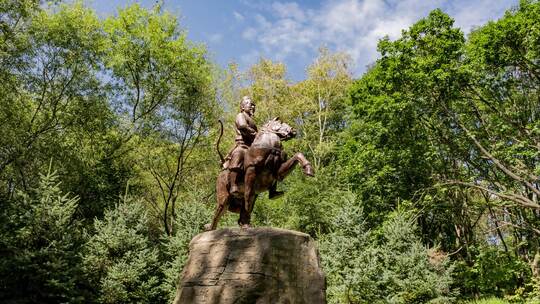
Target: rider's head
(246, 105)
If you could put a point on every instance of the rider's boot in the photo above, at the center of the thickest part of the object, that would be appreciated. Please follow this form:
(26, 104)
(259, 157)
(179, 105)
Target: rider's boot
(273, 193)
(233, 178)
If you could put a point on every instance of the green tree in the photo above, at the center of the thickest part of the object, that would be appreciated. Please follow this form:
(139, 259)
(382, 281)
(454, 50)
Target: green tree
(270, 89)
(40, 240)
(192, 216)
(446, 126)
(321, 109)
(503, 95)
(390, 266)
(165, 87)
(59, 108)
(121, 260)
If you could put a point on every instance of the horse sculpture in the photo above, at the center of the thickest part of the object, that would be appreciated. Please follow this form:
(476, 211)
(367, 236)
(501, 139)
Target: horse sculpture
(265, 162)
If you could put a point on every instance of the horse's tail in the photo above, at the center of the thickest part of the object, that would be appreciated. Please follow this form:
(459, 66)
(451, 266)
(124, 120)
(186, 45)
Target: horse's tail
(217, 143)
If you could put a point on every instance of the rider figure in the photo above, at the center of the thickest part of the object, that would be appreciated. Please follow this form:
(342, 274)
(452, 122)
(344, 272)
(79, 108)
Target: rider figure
(246, 130)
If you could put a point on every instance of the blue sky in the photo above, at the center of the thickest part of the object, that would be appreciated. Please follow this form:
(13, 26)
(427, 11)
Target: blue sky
(242, 31)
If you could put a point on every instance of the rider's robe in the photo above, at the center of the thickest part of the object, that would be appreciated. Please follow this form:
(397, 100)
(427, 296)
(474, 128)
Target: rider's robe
(246, 130)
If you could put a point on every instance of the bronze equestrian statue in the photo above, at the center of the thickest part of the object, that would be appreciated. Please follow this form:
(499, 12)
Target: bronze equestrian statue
(245, 132)
(254, 168)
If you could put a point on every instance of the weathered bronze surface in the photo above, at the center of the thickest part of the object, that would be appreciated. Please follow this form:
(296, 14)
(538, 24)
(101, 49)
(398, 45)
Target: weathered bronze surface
(245, 130)
(254, 165)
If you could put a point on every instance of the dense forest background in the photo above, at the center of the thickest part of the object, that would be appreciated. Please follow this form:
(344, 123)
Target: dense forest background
(427, 166)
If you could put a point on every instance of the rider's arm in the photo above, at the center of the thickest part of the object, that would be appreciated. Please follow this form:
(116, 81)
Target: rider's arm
(243, 126)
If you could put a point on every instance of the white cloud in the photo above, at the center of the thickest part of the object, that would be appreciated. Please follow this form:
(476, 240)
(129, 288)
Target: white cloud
(354, 26)
(261, 21)
(470, 14)
(249, 33)
(239, 17)
(215, 38)
(289, 10)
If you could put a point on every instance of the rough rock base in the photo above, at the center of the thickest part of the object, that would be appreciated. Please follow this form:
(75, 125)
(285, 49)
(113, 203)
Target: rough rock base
(258, 265)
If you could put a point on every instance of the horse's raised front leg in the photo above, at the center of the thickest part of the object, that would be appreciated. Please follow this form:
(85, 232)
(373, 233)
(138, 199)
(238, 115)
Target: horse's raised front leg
(289, 165)
(249, 197)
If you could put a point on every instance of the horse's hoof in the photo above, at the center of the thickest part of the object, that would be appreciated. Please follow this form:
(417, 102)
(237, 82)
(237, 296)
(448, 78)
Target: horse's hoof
(245, 226)
(208, 227)
(308, 170)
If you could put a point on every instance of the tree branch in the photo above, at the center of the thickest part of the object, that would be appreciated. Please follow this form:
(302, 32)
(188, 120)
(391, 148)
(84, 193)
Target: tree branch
(522, 201)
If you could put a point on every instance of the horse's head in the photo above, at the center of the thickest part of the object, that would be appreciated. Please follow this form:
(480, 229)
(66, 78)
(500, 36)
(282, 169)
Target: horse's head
(283, 130)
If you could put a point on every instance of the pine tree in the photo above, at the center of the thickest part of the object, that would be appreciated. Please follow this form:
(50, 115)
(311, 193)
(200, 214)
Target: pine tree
(386, 266)
(121, 260)
(40, 240)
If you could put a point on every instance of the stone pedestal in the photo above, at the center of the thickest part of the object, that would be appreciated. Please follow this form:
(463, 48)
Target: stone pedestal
(246, 266)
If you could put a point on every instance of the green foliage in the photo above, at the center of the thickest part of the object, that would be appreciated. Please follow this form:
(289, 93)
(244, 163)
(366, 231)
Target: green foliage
(321, 107)
(164, 94)
(494, 272)
(392, 155)
(446, 126)
(418, 277)
(393, 268)
(121, 259)
(531, 292)
(16, 17)
(354, 278)
(59, 109)
(488, 301)
(40, 238)
(442, 127)
(160, 76)
(192, 216)
(308, 206)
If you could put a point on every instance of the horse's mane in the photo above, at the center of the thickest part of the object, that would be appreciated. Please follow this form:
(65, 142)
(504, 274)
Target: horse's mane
(268, 127)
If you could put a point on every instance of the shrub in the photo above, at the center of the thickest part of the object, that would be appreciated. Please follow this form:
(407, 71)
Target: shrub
(121, 260)
(392, 268)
